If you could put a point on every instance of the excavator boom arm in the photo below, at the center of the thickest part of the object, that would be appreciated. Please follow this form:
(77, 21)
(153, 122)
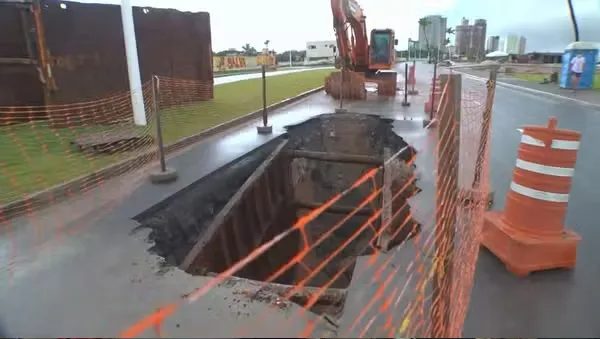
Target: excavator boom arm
(354, 49)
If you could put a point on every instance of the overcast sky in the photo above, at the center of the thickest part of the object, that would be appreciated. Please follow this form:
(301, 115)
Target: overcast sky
(289, 24)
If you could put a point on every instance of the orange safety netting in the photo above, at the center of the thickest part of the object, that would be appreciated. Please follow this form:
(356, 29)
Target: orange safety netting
(419, 288)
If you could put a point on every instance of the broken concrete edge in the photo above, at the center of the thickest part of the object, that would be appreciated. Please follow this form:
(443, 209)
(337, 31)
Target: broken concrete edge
(49, 196)
(334, 296)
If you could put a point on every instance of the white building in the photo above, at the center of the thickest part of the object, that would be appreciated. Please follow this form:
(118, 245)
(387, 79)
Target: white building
(513, 44)
(320, 51)
(435, 32)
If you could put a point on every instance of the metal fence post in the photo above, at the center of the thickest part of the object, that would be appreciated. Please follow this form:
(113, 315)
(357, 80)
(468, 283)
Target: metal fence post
(341, 109)
(165, 174)
(405, 103)
(433, 108)
(265, 128)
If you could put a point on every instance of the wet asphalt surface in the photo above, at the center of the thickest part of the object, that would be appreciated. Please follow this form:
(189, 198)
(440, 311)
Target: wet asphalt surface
(553, 303)
(545, 304)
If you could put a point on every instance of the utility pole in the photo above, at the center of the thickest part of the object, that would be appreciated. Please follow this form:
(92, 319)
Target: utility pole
(133, 65)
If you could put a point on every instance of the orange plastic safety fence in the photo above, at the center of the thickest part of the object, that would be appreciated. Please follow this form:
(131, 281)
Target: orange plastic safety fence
(80, 160)
(419, 288)
(401, 292)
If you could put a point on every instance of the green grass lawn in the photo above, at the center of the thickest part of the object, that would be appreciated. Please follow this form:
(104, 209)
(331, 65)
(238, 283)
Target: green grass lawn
(540, 77)
(35, 156)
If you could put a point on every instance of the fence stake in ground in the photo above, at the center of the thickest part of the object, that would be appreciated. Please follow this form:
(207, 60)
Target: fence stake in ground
(433, 108)
(341, 109)
(165, 174)
(405, 103)
(265, 128)
(485, 131)
(446, 203)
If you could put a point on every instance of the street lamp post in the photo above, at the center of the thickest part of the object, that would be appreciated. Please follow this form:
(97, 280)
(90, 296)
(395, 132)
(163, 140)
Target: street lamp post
(133, 65)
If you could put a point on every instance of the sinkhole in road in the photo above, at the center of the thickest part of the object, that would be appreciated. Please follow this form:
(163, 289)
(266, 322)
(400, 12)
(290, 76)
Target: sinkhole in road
(248, 204)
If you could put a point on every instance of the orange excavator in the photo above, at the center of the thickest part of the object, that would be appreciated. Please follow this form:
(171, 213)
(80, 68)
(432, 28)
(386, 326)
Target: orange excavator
(360, 62)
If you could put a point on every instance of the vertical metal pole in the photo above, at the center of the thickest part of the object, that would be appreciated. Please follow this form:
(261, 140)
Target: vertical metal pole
(133, 65)
(405, 102)
(264, 94)
(342, 88)
(156, 109)
(433, 108)
(386, 215)
(446, 203)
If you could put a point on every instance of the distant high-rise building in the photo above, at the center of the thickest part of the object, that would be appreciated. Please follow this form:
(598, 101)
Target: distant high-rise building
(463, 38)
(522, 45)
(493, 43)
(435, 32)
(470, 39)
(513, 44)
(478, 39)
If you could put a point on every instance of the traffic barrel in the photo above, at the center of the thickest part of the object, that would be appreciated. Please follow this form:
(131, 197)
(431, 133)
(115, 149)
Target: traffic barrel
(529, 235)
(412, 79)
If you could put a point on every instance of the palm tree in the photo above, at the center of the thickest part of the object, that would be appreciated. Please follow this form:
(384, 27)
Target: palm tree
(423, 23)
(573, 20)
(449, 31)
(248, 50)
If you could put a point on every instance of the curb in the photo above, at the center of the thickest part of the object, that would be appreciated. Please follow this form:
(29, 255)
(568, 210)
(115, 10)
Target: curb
(59, 192)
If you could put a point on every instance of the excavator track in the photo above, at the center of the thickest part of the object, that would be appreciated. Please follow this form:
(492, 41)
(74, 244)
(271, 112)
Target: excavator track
(386, 83)
(354, 84)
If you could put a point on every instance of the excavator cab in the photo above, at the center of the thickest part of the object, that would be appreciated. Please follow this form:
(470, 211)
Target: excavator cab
(382, 52)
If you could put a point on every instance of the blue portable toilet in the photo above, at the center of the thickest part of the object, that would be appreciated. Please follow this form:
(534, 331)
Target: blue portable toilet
(590, 52)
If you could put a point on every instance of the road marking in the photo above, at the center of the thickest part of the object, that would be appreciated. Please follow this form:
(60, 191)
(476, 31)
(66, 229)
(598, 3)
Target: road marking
(531, 90)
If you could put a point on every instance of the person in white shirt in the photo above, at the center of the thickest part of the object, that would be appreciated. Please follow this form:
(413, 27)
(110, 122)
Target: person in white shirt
(577, 67)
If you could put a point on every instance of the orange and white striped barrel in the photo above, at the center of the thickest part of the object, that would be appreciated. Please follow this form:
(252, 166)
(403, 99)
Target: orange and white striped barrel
(539, 193)
(412, 80)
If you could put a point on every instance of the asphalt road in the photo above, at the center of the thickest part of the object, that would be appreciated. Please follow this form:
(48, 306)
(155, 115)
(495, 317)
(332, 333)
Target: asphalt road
(553, 303)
